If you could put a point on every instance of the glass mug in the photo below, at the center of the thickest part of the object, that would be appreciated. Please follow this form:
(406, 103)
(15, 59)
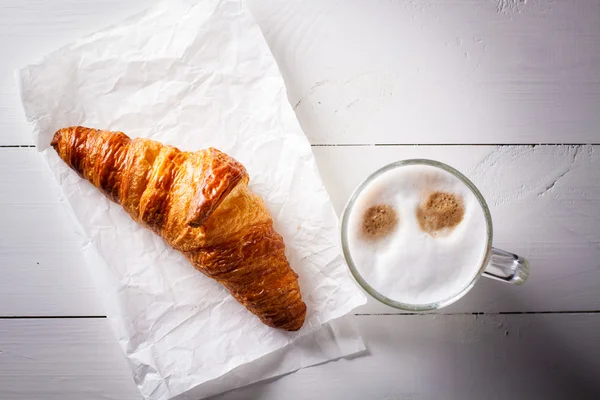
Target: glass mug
(496, 264)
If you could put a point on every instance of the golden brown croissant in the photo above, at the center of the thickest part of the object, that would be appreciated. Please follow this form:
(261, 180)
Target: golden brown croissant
(201, 205)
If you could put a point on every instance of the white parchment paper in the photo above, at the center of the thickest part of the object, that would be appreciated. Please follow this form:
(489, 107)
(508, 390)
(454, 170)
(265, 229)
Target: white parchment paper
(194, 74)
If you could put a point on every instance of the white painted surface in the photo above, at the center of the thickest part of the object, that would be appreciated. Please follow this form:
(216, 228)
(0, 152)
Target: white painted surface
(544, 203)
(42, 270)
(456, 358)
(62, 359)
(437, 71)
(419, 357)
(30, 29)
(383, 71)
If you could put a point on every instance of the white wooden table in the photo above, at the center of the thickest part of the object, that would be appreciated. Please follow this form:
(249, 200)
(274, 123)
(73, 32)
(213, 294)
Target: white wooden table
(508, 91)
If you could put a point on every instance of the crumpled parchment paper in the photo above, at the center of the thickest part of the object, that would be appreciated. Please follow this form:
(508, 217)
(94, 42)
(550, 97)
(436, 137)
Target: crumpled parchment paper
(194, 74)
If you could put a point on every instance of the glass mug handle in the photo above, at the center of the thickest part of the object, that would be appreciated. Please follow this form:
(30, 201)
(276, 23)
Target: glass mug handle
(507, 267)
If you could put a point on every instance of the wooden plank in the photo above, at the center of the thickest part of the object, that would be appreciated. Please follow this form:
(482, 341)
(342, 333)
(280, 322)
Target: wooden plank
(409, 357)
(456, 357)
(544, 201)
(62, 359)
(42, 270)
(30, 29)
(466, 71)
(435, 71)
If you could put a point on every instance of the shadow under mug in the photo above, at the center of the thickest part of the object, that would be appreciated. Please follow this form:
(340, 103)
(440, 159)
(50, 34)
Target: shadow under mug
(497, 264)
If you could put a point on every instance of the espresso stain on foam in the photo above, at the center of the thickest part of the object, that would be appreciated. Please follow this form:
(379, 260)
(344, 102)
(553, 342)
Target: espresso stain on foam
(379, 221)
(440, 212)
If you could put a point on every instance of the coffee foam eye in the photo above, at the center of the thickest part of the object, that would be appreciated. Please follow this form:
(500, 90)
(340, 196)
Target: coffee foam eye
(440, 213)
(378, 221)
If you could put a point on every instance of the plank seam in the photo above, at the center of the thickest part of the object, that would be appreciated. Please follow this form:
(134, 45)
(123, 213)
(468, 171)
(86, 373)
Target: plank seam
(451, 144)
(52, 317)
(12, 146)
(358, 315)
(489, 313)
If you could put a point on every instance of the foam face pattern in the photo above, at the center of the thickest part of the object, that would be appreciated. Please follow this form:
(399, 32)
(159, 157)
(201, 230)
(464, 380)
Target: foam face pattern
(410, 264)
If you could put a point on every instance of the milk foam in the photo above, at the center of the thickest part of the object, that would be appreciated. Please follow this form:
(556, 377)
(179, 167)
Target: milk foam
(409, 265)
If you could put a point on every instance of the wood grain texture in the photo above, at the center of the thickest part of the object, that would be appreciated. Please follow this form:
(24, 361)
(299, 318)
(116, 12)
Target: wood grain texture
(40, 246)
(62, 359)
(30, 29)
(420, 357)
(544, 202)
(454, 358)
(435, 71)
(384, 71)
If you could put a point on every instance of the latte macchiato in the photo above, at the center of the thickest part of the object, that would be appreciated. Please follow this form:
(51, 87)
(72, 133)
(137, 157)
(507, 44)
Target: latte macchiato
(417, 234)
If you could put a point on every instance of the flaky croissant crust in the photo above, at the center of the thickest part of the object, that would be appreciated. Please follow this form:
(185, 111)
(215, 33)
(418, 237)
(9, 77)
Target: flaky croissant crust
(199, 202)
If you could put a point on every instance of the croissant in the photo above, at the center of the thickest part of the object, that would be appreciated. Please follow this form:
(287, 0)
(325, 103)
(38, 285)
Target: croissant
(200, 204)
